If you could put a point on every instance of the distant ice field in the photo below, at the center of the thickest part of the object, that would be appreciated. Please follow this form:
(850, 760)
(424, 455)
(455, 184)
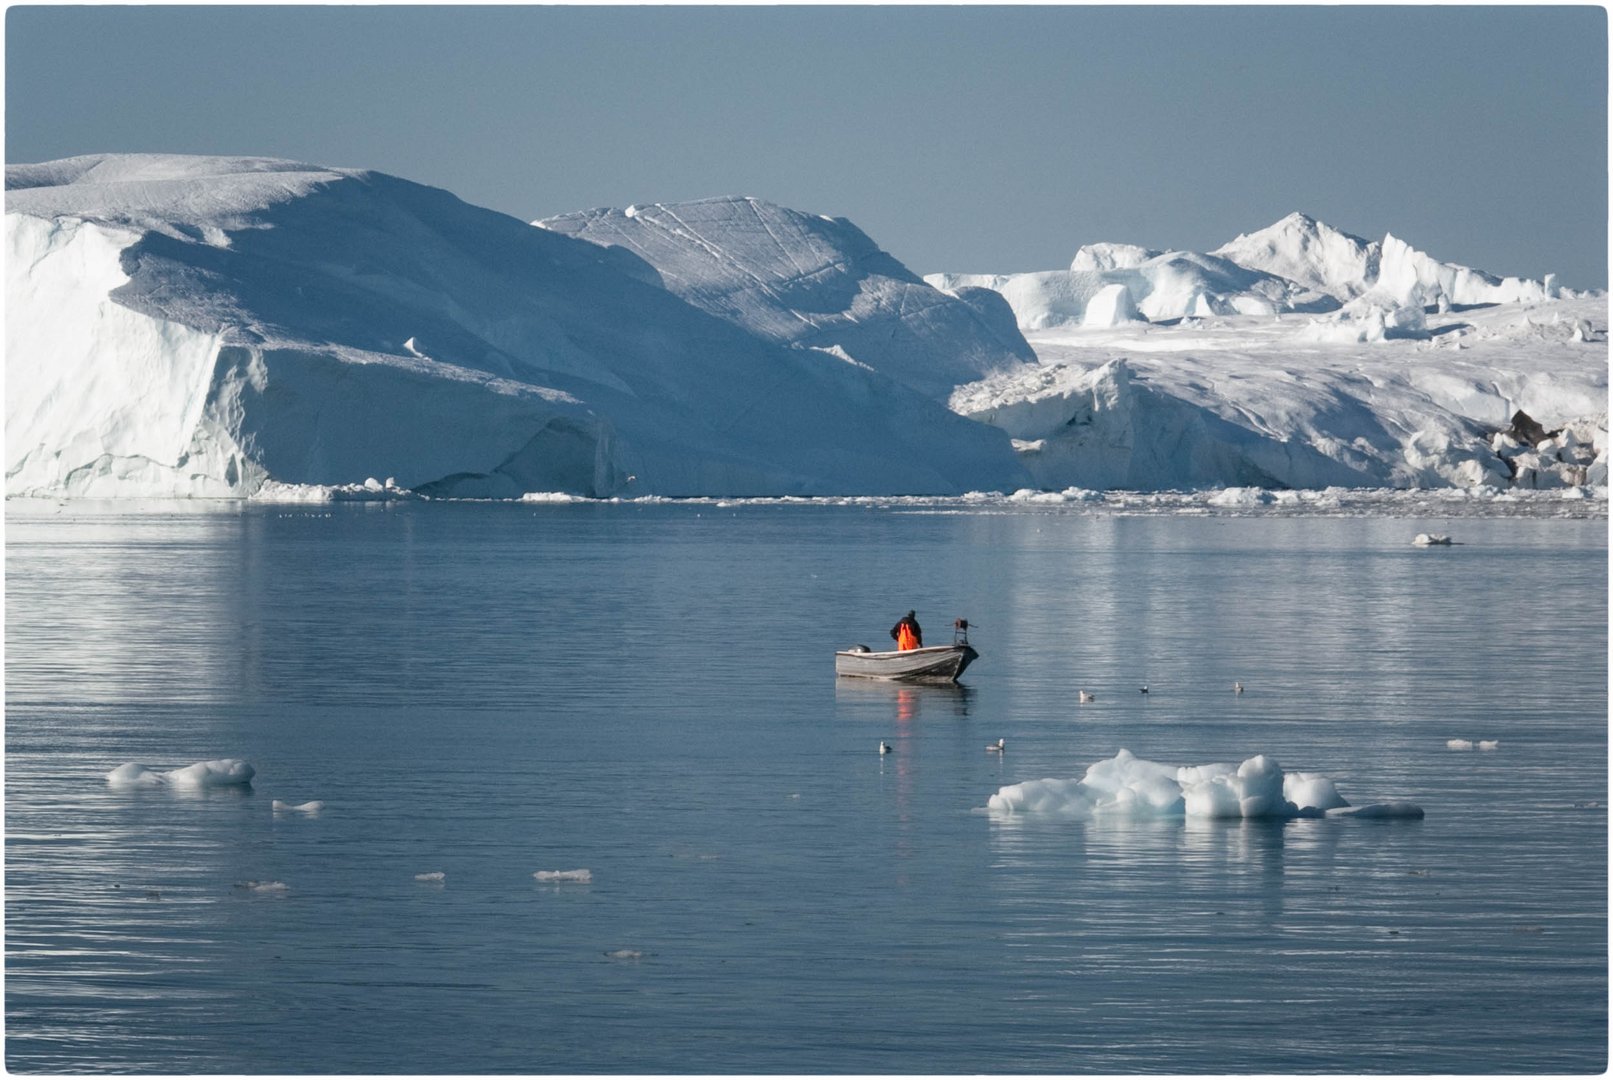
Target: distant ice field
(542, 787)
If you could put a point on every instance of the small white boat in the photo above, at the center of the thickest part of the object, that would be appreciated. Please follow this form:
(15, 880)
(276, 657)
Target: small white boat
(938, 663)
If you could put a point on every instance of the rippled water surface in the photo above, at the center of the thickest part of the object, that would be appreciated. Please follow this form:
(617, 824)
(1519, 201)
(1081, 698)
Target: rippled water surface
(647, 692)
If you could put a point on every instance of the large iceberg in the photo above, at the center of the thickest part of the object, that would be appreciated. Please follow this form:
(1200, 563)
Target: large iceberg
(204, 326)
(1298, 356)
(1297, 264)
(1271, 404)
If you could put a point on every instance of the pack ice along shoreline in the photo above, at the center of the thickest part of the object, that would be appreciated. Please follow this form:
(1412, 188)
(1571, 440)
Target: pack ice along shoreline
(247, 327)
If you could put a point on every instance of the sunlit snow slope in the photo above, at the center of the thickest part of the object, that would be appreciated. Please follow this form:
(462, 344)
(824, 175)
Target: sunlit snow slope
(803, 279)
(201, 326)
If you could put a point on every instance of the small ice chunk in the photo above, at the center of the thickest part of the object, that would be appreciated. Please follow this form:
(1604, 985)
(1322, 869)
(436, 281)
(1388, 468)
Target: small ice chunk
(581, 876)
(1312, 791)
(1396, 809)
(1431, 540)
(263, 886)
(1489, 744)
(625, 954)
(436, 876)
(313, 806)
(1458, 744)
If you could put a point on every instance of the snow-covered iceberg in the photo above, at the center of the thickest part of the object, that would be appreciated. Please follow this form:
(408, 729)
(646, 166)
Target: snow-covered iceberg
(1273, 402)
(203, 326)
(1128, 786)
(813, 281)
(1297, 264)
(1161, 287)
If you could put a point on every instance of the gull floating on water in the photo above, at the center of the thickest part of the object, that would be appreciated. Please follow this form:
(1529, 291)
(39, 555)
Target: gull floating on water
(996, 747)
(1086, 698)
(886, 748)
(1237, 688)
(1142, 689)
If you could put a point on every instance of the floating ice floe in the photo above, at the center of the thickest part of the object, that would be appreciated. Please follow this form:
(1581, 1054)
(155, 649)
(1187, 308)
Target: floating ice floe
(580, 876)
(1468, 744)
(1128, 786)
(1431, 540)
(313, 806)
(263, 886)
(436, 877)
(222, 772)
(1393, 809)
(559, 497)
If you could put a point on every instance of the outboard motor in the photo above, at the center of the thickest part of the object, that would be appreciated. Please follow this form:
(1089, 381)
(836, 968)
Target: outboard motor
(960, 631)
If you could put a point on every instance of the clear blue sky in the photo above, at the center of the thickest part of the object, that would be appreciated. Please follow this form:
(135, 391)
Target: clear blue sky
(984, 139)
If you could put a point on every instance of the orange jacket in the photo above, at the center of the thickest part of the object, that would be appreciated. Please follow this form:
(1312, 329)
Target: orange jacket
(907, 635)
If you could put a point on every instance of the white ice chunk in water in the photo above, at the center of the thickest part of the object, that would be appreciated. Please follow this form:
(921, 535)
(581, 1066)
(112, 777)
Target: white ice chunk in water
(1431, 540)
(1489, 744)
(1129, 786)
(1312, 790)
(222, 772)
(436, 877)
(1458, 744)
(313, 806)
(1396, 809)
(263, 886)
(582, 876)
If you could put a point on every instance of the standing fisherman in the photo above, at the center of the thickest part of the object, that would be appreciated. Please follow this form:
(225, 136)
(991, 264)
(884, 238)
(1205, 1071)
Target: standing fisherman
(907, 633)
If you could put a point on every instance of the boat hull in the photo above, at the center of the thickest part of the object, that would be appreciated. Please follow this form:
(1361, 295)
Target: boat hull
(937, 664)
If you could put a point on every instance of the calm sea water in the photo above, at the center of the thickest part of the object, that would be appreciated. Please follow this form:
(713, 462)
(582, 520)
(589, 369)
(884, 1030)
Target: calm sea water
(647, 692)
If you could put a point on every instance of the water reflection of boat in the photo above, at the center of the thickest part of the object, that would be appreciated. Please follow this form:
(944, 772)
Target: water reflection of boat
(909, 698)
(936, 664)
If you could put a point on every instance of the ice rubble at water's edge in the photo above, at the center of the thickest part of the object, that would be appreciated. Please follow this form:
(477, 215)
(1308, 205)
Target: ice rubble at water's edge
(1128, 786)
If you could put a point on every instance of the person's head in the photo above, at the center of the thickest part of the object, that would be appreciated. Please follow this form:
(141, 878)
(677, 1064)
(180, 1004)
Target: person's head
(912, 614)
